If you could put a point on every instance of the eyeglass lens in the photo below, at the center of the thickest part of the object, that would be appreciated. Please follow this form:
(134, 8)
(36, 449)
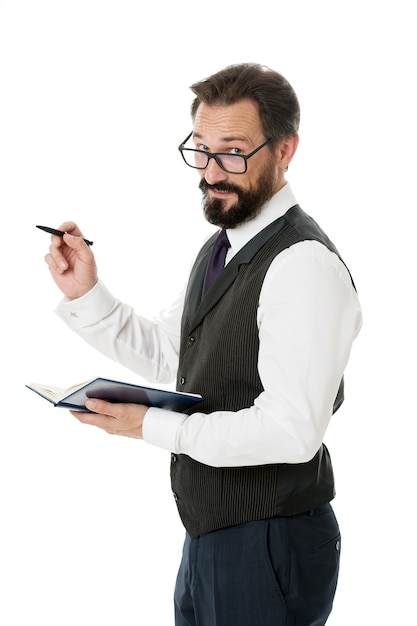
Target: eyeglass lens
(232, 163)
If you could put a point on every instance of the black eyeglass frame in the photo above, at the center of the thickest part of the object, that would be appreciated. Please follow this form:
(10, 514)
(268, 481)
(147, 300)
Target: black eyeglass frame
(216, 155)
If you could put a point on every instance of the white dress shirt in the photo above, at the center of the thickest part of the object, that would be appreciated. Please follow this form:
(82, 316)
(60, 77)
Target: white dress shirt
(308, 317)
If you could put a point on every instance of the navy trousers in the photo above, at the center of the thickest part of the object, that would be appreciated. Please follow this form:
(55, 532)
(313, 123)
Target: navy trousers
(276, 572)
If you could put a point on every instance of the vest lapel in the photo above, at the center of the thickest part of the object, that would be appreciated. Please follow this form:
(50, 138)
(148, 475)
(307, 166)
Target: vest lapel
(197, 308)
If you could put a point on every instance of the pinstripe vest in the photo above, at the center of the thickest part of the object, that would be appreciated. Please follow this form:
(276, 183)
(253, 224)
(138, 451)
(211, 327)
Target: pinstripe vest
(218, 359)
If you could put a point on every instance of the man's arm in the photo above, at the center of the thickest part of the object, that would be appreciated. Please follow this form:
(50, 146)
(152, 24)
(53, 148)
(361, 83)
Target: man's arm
(147, 347)
(308, 318)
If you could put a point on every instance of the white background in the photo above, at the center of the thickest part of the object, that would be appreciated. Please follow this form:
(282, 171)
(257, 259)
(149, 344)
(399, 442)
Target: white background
(94, 100)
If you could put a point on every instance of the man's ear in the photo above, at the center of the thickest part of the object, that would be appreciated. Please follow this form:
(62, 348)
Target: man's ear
(286, 150)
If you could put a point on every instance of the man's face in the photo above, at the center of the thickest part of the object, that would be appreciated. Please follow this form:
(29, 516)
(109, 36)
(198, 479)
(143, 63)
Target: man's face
(231, 199)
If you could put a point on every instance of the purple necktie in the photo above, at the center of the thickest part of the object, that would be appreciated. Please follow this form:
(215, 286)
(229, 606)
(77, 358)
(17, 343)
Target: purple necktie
(216, 261)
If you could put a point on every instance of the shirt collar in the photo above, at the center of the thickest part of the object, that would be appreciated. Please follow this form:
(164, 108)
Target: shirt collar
(279, 204)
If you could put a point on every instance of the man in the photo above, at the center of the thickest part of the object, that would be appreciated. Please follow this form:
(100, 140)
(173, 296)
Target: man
(266, 345)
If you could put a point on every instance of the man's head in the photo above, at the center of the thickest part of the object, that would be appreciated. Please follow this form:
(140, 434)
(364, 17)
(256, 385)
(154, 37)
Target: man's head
(241, 110)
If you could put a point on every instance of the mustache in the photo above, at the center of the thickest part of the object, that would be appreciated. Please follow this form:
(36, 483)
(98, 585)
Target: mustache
(221, 186)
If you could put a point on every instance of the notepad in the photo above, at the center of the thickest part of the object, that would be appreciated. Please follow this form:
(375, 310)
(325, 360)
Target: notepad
(75, 397)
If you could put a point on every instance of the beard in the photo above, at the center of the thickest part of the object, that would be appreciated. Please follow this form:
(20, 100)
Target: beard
(248, 205)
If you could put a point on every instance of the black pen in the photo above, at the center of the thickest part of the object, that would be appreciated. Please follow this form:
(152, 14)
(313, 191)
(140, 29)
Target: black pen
(60, 233)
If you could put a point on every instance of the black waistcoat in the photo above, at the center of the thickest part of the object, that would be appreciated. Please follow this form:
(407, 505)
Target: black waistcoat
(218, 359)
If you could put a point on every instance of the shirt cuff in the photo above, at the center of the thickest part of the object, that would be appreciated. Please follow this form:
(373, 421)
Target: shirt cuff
(160, 428)
(87, 310)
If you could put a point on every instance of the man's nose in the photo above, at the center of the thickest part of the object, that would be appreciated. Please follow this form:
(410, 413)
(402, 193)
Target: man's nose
(214, 173)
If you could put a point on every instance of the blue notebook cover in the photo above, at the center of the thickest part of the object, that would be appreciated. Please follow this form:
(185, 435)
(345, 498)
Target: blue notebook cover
(115, 391)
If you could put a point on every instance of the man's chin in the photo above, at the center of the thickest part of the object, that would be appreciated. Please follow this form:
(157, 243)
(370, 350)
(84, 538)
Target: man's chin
(218, 214)
(216, 211)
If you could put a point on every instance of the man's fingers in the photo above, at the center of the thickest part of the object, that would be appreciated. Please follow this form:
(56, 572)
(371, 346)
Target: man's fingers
(114, 418)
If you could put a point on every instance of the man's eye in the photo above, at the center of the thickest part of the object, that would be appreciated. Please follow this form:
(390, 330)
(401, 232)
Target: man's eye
(235, 151)
(202, 147)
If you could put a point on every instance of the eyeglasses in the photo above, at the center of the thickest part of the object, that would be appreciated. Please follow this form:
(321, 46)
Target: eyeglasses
(230, 163)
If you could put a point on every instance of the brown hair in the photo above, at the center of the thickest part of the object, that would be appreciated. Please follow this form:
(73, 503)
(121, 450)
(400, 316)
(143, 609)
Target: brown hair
(276, 100)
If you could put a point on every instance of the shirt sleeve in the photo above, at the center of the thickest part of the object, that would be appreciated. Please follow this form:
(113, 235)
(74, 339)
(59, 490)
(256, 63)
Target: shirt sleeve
(147, 347)
(308, 318)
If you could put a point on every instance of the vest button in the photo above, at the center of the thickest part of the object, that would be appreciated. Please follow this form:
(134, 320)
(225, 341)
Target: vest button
(191, 341)
(175, 496)
(173, 458)
(182, 380)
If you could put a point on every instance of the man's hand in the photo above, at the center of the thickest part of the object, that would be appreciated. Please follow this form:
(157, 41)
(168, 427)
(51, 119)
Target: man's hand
(71, 262)
(114, 418)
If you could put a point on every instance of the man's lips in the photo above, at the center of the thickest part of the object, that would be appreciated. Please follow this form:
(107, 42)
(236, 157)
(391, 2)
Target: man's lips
(219, 192)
